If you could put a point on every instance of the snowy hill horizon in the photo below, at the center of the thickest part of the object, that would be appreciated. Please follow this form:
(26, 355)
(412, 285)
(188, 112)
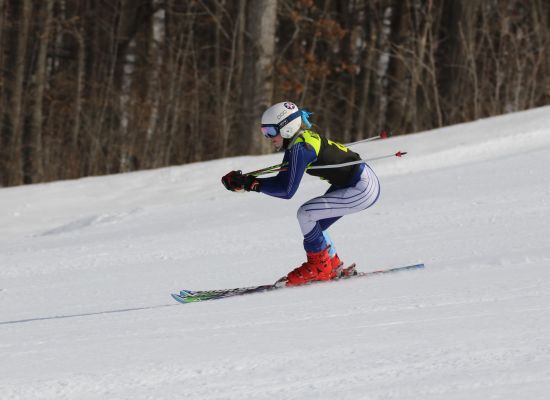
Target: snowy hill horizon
(87, 267)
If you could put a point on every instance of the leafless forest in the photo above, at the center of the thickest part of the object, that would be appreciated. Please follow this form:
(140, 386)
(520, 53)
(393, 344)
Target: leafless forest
(91, 87)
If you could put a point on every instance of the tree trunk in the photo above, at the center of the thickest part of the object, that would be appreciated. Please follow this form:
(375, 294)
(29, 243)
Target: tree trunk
(16, 117)
(79, 91)
(397, 69)
(258, 72)
(235, 74)
(3, 102)
(456, 37)
(367, 67)
(36, 166)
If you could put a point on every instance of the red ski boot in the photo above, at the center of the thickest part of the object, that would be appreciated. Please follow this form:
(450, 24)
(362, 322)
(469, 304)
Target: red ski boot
(317, 268)
(336, 262)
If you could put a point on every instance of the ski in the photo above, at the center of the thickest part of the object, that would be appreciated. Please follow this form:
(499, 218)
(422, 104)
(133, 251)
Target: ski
(190, 296)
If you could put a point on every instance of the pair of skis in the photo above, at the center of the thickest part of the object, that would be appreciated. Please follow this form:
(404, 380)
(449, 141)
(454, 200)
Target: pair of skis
(191, 296)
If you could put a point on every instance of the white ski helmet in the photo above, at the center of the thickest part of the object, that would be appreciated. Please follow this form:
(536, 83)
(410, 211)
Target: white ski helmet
(284, 118)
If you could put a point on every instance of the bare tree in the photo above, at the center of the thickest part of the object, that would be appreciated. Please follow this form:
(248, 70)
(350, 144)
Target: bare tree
(3, 101)
(258, 71)
(35, 154)
(16, 115)
(397, 75)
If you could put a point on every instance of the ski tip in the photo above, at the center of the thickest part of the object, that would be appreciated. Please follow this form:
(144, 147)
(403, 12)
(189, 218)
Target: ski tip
(412, 266)
(178, 298)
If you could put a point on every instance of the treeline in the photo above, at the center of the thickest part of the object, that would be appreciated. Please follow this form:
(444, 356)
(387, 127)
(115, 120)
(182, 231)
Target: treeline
(92, 87)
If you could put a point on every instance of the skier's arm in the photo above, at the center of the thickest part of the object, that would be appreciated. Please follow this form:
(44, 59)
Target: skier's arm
(286, 183)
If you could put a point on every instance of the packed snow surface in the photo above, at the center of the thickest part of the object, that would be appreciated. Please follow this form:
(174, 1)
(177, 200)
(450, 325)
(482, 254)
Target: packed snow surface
(87, 268)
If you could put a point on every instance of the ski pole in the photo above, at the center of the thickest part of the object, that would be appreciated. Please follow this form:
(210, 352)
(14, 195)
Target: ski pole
(398, 154)
(383, 135)
(281, 167)
(267, 170)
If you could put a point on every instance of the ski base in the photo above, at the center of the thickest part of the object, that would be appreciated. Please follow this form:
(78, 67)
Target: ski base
(190, 296)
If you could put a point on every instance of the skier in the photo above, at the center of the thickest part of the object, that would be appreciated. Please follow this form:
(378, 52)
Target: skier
(353, 187)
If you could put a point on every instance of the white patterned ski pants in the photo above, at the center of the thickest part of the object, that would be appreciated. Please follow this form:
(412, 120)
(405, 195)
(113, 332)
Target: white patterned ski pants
(316, 215)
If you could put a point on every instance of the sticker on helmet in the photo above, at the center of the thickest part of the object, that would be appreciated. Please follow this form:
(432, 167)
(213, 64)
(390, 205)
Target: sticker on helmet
(290, 106)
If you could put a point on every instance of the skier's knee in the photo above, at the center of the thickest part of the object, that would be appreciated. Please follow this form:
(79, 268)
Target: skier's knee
(303, 215)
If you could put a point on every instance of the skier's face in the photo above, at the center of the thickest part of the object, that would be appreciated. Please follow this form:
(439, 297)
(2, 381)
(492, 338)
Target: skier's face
(277, 142)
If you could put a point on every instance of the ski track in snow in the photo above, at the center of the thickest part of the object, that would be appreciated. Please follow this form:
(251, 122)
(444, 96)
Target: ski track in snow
(86, 222)
(87, 266)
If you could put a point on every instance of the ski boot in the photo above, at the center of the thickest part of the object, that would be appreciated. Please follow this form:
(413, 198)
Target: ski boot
(336, 262)
(317, 268)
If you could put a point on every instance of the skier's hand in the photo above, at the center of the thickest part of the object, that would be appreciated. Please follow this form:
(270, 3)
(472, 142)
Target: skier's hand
(235, 181)
(231, 181)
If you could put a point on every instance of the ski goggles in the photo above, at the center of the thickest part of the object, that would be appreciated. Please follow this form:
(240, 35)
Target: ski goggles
(272, 130)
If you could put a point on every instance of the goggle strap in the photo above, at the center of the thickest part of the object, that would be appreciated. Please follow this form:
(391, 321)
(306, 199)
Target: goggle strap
(289, 119)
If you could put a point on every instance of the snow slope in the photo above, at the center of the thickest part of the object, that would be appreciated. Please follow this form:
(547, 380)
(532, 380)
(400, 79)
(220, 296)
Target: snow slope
(87, 268)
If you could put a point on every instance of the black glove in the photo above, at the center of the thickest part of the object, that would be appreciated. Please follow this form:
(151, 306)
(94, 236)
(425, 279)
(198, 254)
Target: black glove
(235, 181)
